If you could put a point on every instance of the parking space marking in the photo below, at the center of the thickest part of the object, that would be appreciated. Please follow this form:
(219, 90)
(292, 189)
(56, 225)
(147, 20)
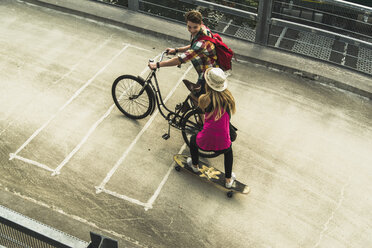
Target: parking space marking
(73, 68)
(64, 75)
(157, 192)
(91, 130)
(77, 148)
(29, 161)
(77, 93)
(149, 204)
(101, 187)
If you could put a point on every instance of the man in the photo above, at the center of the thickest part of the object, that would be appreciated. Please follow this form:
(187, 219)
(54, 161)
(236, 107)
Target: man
(201, 53)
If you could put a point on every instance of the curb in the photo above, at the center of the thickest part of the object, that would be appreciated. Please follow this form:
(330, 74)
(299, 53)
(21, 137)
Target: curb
(351, 81)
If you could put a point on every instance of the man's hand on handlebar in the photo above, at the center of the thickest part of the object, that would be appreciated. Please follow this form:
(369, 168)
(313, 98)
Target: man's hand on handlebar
(171, 51)
(170, 62)
(152, 65)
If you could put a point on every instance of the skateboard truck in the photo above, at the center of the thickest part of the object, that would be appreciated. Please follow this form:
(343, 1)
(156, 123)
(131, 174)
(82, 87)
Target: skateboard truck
(167, 135)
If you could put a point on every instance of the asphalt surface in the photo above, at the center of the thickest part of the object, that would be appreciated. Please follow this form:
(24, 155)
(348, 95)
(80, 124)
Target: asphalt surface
(71, 160)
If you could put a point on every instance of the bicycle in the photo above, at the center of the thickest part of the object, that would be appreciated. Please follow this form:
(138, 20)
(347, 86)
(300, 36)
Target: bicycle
(137, 98)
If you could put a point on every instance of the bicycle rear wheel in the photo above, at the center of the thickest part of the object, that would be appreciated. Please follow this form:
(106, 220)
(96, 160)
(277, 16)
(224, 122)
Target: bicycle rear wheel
(125, 92)
(192, 124)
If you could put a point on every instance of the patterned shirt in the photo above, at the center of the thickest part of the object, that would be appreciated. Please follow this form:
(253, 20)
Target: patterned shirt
(201, 53)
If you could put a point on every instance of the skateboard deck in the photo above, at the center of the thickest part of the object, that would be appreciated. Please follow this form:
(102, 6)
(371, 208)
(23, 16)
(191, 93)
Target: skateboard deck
(210, 174)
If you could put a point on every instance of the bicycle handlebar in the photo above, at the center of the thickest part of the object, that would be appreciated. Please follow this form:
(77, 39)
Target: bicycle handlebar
(162, 55)
(161, 58)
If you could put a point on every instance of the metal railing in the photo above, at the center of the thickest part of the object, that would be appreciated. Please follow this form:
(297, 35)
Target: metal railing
(19, 231)
(329, 30)
(335, 31)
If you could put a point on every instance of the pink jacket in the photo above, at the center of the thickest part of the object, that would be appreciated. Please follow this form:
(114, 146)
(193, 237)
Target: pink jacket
(215, 134)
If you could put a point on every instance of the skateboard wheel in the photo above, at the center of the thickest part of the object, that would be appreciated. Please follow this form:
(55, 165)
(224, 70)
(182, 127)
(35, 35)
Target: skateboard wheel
(229, 194)
(178, 168)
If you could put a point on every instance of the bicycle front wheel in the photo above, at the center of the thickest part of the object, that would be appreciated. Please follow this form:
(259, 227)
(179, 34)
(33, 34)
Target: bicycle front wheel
(126, 92)
(192, 124)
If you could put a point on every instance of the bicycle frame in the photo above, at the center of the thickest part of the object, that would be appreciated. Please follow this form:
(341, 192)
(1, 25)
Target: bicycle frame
(171, 116)
(186, 116)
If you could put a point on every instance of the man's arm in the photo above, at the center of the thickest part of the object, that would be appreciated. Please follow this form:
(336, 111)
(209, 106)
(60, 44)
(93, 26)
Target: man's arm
(183, 49)
(170, 62)
(178, 50)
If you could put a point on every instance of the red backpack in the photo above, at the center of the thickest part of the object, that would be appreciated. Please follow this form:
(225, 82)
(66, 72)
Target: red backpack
(224, 54)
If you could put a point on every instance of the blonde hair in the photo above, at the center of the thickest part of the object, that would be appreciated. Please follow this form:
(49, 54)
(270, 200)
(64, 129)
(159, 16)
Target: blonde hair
(220, 102)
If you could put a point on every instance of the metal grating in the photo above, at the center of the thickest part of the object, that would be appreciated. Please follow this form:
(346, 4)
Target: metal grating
(17, 231)
(364, 62)
(11, 237)
(245, 32)
(313, 45)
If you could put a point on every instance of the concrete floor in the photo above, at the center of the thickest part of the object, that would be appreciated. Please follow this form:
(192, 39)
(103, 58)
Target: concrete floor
(71, 160)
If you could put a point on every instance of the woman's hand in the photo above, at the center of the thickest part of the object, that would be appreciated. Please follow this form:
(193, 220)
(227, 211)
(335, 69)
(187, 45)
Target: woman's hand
(152, 65)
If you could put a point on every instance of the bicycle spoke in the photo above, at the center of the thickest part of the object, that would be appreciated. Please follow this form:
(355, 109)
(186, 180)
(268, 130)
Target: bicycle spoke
(126, 91)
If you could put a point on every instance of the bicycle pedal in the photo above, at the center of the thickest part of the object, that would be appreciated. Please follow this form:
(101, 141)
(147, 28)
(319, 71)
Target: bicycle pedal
(178, 106)
(165, 136)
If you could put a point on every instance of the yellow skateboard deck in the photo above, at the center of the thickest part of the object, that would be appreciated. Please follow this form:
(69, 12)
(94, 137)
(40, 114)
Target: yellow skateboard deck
(210, 174)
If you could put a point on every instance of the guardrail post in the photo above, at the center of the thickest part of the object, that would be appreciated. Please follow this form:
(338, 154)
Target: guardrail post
(133, 5)
(263, 21)
(99, 241)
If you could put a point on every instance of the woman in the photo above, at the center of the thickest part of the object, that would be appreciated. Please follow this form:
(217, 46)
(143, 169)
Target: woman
(218, 104)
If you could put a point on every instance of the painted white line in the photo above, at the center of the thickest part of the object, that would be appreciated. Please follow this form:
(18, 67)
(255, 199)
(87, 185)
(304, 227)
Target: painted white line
(124, 197)
(68, 102)
(5, 128)
(227, 26)
(81, 60)
(91, 130)
(281, 37)
(148, 123)
(152, 199)
(74, 217)
(157, 192)
(139, 48)
(29, 161)
(64, 76)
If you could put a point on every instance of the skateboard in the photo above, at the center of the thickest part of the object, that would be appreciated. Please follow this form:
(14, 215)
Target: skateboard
(210, 174)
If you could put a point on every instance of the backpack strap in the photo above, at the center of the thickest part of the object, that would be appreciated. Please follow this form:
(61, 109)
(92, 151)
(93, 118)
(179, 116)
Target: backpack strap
(204, 37)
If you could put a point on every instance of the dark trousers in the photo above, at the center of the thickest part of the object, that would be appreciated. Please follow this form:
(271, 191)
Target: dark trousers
(228, 153)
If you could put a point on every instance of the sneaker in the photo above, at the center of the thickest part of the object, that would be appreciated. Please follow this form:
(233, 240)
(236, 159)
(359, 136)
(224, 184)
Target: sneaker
(189, 163)
(233, 177)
